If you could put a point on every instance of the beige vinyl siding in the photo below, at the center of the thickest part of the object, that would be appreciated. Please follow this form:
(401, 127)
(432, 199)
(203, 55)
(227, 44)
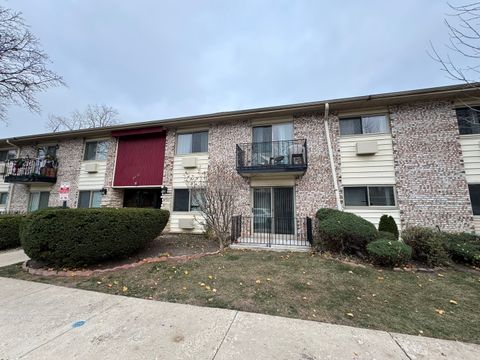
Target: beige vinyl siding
(476, 223)
(471, 157)
(373, 215)
(92, 181)
(178, 182)
(375, 169)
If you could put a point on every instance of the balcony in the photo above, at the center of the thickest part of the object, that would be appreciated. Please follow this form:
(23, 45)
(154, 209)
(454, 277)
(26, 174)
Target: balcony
(274, 157)
(30, 170)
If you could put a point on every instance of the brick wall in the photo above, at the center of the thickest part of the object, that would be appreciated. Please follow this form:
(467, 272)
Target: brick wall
(431, 185)
(113, 197)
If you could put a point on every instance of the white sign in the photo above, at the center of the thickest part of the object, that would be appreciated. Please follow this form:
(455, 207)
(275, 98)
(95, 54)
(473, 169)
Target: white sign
(64, 191)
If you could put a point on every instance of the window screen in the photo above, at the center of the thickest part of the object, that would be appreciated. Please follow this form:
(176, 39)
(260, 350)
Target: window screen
(356, 196)
(181, 199)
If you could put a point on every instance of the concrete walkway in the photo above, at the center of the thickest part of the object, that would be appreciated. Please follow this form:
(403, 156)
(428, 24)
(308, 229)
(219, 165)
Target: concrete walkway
(9, 257)
(41, 321)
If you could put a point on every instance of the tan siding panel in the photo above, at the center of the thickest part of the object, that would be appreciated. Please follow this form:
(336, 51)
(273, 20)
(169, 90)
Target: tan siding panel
(476, 223)
(174, 223)
(471, 157)
(370, 169)
(92, 181)
(179, 171)
(374, 215)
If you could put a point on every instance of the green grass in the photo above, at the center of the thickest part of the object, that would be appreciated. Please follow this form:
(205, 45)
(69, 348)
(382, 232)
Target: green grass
(303, 286)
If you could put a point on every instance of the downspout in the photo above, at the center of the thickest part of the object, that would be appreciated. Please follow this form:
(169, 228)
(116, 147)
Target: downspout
(330, 155)
(12, 186)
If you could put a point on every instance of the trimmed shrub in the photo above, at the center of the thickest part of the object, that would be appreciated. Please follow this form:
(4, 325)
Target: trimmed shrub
(387, 223)
(427, 245)
(343, 232)
(385, 235)
(463, 247)
(389, 252)
(10, 231)
(79, 237)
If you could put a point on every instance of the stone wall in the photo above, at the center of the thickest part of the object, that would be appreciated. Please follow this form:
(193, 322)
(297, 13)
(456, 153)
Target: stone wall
(431, 185)
(113, 197)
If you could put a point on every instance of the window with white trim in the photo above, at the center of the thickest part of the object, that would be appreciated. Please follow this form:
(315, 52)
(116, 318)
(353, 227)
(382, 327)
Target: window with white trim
(187, 200)
(38, 200)
(468, 119)
(90, 199)
(7, 154)
(369, 124)
(195, 142)
(369, 196)
(95, 150)
(3, 198)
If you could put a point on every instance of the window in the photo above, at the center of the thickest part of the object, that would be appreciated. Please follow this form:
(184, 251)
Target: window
(3, 198)
(7, 154)
(38, 200)
(196, 142)
(369, 196)
(375, 124)
(186, 200)
(47, 150)
(90, 199)
(96, 150)
(468, 120)
(474, 190)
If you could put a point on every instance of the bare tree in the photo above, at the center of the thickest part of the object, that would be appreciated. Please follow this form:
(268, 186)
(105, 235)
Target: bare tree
(214, 193)
(462, 61)
(92, 117)
(23, 65)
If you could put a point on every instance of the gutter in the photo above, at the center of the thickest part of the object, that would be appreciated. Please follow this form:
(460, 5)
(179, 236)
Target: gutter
(330, 155)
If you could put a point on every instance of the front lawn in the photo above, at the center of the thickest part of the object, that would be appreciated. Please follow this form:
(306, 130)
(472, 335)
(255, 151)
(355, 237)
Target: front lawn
(301, 285)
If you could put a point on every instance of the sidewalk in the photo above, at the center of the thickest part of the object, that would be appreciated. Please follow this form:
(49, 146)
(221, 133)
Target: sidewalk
(37, 322)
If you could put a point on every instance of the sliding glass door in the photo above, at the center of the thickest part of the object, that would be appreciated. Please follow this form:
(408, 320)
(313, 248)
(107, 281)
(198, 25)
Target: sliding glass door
(273, 210)
(269, 147)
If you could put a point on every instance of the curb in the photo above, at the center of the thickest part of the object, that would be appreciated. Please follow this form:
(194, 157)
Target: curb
(86, 273)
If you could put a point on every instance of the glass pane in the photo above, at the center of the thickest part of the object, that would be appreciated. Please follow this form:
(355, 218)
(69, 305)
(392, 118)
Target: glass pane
(52, 150)
(90, 149)
(282, 132)
(355, 196)
(3, 155)
(184, 144)
(84, 199)
(475, 198)
(102, 150)
(41, 153)
(180, 199)
(262, 210)
(284, 221)
(200, 142)
(196, 200)
(262, 145)
(468, 120)
(96, 199)
(12, 154)
(43, 203)
(381, 196)
(7, 155)
(375, 124)
(350, 126)
(34, 201)
(3, 198)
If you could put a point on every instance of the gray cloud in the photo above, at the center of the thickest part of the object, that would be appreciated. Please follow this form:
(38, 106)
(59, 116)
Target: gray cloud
(152, 59)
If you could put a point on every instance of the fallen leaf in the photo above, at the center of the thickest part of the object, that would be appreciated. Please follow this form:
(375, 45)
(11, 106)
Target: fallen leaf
(350, 272)
(207, 287)
(202, 284)
(440, 311)
(258, 281)
(380, 278)
(210, 277)
(184, 288)
(441, 275)
(268, 279)
(374, 295)
(350, 315)
(99, 282)
(115, 282)
(304, 298)
(420, 331)
(125, 289)
(214, 290)
(109, 285)
(186, 272)
(453, 302)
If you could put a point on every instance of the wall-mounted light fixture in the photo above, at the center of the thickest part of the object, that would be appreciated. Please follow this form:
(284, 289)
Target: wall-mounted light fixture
(104, 191)
(164, 190)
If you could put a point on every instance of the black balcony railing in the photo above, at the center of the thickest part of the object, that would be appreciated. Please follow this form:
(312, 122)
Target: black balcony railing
(272, 156)
(268, 230)
(29, 170)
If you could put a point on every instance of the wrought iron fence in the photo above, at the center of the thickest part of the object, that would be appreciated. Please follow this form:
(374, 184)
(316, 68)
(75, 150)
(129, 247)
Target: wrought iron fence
(29, 169)
(267, 230)
(272, 155)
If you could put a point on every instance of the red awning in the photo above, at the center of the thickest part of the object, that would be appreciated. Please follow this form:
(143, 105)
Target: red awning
(140, 158)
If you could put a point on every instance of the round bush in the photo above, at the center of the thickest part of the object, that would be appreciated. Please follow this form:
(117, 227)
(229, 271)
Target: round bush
(343, 232)
(427, 245)
(387, 223)
(79, 237)
(10, 231)
(463, 247)
(389, 252)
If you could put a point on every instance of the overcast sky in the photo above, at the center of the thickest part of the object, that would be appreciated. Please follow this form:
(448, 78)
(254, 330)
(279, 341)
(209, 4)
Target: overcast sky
(158, 59)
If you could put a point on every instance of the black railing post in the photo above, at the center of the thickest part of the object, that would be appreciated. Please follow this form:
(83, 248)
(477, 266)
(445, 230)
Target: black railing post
(309, 230)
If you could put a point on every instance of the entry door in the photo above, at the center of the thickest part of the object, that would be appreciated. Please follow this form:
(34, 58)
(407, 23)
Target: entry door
(273, 210)
(144, 198)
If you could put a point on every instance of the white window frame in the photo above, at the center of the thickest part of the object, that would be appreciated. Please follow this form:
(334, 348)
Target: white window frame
(96, 149)
(90, 199)
(361, 117)
(368, 206)
(190, 133)
(4, 193)
(189, 202)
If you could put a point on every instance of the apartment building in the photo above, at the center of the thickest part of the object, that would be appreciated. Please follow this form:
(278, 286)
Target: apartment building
(414, 155)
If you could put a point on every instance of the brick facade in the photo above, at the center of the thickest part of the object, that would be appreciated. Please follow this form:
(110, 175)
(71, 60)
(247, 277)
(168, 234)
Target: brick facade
(431, 185)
